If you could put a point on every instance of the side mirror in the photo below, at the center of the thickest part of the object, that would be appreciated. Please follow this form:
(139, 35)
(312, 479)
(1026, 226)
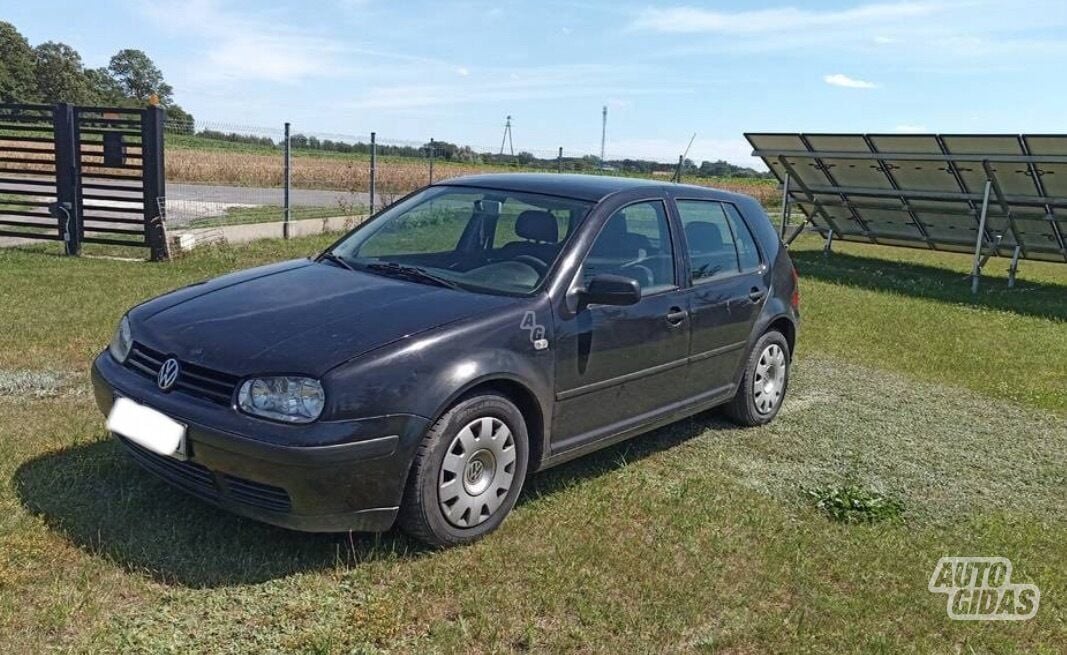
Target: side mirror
(611, 290)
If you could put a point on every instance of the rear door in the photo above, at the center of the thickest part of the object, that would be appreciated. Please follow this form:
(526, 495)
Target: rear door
(727, 274)
(616, 366)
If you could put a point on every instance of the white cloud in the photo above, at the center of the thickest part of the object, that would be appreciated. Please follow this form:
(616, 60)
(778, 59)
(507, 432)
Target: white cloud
(848, 82)
(463, 71)
(912, 129)
(240, 46)
(692, 19)
(884, 40)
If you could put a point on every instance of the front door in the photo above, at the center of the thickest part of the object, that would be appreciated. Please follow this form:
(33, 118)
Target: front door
(621, 365)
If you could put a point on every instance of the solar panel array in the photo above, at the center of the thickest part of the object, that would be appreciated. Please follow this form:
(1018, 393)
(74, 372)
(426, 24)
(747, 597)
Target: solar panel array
(929, 191)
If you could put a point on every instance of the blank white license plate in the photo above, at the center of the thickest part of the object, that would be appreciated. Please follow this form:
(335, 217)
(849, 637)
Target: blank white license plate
(147, 427)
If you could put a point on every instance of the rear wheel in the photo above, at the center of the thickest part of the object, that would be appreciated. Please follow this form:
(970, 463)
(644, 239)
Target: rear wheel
(765, 382)
(467, 473)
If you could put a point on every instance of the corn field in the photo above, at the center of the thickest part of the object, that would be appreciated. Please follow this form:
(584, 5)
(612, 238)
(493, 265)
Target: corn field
(395, 176)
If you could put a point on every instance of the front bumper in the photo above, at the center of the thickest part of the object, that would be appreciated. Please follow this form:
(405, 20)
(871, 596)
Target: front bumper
(322, 477)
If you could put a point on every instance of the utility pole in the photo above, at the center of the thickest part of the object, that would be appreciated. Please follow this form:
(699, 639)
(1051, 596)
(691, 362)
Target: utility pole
(603, 135)
(507, 138)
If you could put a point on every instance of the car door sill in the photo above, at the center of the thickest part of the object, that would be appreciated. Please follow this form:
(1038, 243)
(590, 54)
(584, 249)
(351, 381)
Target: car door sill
(582, 444)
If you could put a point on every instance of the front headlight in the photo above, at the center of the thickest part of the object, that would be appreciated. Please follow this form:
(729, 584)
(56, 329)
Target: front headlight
(289, 399)
(122, 341)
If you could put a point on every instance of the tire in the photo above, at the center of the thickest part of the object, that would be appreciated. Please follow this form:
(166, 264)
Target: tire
(764, 383)
(463, 481)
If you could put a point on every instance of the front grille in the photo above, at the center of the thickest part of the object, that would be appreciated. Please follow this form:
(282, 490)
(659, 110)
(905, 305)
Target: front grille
(195, 380)
(190, 476)
(203, 483)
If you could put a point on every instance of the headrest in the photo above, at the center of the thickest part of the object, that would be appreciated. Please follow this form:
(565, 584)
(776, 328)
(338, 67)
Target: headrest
(537, 225)
(703, 237)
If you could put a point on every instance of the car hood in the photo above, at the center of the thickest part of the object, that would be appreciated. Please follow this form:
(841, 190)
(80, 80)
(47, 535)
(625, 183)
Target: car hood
(297, 317)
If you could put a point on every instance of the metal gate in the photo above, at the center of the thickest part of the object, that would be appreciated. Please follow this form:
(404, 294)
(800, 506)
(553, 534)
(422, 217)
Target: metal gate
(83, 175)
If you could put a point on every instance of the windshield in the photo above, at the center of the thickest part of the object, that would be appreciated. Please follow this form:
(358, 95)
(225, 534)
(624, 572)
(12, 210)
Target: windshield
(476, 239)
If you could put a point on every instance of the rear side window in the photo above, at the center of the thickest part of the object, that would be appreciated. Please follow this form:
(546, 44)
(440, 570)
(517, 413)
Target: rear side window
(719, 242)
(747, 252)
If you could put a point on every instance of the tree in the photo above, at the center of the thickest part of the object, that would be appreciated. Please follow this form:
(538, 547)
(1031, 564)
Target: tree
(105, 89)
(139, 77)
(17, 78)
(179, 120)
(60, 75)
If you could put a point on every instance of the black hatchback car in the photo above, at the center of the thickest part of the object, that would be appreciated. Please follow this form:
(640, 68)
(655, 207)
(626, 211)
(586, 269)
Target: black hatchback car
(477, 330)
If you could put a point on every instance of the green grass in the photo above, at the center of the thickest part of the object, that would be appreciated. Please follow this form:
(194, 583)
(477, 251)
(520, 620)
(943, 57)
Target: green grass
(696, 538)
(913, 311)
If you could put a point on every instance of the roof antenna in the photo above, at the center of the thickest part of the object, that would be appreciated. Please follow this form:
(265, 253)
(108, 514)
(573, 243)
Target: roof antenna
(681, 159)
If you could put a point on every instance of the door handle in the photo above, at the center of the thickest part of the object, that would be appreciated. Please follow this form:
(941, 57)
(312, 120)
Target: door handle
(756, 294)
(676, 316)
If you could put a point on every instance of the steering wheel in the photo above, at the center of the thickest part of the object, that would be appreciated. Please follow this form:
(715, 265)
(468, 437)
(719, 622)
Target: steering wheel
(533, 262)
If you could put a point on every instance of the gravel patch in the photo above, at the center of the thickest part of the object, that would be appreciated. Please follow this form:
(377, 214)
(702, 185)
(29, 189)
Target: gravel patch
(36, 384)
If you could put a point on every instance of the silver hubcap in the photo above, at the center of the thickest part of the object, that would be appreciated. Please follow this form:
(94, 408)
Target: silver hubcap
(769, 382)
(477, 473)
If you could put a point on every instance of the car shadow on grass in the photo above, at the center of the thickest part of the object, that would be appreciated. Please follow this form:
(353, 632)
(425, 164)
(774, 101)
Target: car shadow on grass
(100, 500)
(1040, 299)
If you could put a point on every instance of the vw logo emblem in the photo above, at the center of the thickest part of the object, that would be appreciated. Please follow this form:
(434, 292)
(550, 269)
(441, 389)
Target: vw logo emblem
(168, 374)
(474, 471)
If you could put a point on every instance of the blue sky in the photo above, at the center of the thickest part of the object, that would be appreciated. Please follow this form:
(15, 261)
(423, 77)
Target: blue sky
(413, 69)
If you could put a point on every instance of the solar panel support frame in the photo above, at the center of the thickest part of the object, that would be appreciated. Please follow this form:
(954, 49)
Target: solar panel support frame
(1014, 268)
(976, 271)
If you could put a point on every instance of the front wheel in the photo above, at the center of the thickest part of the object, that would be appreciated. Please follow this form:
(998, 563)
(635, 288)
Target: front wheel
(467, 473)
(764, 384)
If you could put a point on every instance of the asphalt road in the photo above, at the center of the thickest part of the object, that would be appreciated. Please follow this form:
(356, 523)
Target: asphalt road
(187, 202)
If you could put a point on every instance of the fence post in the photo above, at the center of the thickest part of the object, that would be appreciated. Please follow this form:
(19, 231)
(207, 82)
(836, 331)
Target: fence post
(68, 192)
(431, 160)
(373, 167)
(559, 161)
(155, 182)
(288, 183)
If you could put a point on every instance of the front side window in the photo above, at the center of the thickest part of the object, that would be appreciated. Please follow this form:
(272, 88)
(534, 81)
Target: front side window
(636, 243)
(718, 240)
(476, 239)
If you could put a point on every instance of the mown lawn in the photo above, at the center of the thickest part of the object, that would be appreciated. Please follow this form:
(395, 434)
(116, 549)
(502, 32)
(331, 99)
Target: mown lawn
(695, 538)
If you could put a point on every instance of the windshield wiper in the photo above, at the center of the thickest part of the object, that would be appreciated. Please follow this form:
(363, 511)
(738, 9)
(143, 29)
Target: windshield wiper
(413, 273)
(337, 259)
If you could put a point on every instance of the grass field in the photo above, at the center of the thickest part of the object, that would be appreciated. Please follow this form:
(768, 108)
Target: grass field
(695, 538)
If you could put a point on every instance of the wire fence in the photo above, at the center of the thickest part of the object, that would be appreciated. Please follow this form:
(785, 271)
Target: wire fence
(220, 173)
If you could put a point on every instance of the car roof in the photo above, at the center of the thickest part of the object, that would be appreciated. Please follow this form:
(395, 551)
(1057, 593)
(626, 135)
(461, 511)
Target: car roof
(579, 187)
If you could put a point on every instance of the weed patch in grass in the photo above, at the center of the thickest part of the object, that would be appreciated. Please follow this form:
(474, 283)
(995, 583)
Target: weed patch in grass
(854, 503)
